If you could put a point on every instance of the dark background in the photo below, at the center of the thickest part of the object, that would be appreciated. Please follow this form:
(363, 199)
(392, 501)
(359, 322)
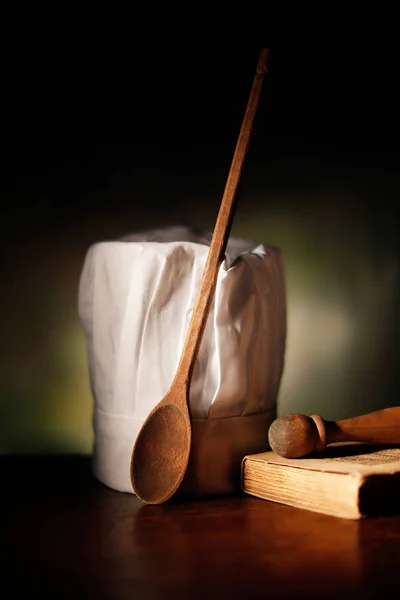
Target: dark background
(109, 132)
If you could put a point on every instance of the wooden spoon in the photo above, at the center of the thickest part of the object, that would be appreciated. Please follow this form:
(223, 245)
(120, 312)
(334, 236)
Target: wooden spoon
(295, 436)
(161, 452)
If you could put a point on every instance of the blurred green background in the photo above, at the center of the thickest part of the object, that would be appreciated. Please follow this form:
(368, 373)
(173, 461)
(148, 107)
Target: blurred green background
(321, 185)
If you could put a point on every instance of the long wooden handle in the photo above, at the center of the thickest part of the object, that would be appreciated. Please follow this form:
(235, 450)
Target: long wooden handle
(294, 436)
(379, 427)
(220, 236)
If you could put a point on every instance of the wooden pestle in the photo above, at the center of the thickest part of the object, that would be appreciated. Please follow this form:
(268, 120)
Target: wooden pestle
(295, 435)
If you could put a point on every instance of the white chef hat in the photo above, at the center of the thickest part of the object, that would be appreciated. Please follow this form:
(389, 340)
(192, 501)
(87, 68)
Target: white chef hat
(136, 297)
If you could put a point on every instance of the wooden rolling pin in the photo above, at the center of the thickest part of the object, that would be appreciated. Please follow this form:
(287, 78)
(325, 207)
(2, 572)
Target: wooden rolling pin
(295, 435)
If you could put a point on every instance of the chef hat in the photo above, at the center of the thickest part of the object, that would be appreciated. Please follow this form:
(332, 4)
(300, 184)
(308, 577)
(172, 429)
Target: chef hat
(136, 297)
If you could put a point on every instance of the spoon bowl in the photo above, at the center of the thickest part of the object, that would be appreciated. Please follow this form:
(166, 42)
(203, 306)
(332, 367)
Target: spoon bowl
(161, 451)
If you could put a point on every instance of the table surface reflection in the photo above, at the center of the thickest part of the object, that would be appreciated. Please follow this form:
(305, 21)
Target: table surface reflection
(65, 535)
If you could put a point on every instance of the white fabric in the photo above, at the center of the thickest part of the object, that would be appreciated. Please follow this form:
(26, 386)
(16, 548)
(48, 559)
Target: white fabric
(136, 297)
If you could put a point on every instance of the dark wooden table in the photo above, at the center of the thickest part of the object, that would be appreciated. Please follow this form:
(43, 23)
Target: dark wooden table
(65, 535)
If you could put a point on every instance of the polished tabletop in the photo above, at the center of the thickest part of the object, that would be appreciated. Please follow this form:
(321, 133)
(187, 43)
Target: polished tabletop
(66, 535)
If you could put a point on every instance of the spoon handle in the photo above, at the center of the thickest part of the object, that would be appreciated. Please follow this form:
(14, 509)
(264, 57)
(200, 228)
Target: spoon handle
(220, 236)
(296, 435)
